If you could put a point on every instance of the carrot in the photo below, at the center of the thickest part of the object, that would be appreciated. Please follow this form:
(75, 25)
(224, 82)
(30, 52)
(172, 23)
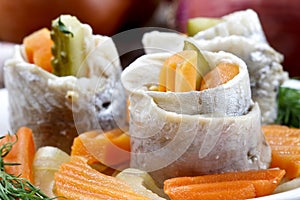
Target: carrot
(162, 80)
(170, 73)
(179, 72)
(285, 145)
(280, 131)
(264, 181)
(120, 139)
(283, 141)
(38, 48)
(186, 72)
(221, 74)
(214, 191)
(291, 163)
(77, 180)
(111, 148)
(79, 149)
(22, 153)
(286, 149)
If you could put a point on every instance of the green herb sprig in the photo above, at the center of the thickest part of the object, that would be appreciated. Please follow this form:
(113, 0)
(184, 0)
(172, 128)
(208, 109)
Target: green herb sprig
(13, 187)
(289, 107)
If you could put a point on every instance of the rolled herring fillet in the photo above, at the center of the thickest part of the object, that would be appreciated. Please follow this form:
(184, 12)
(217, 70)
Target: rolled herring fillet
(59, 108)
(244, 23)
(265, 71)
(241, 34)
(193, 133)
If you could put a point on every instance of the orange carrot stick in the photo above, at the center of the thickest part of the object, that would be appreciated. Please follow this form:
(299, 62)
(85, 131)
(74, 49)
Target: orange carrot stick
(289, 162)
(186, 72)
(223, 73)
(283, 141)
(22, 153)
(38, 48)
(111, 148)
(79, 149)
(162, 80)
(285, 145)
(183, 65)
(264, 181)
(280, 131)
(213, 191)
(77, 180)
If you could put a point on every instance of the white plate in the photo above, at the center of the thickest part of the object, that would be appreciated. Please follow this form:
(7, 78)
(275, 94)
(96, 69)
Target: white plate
(4, 127)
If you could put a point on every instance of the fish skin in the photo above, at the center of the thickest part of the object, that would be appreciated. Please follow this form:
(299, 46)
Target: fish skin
(57, 109)
(170, 143)
(240, 33)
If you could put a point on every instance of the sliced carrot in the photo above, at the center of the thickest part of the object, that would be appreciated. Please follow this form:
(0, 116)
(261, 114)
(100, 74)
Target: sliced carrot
(120, 139)
(38, 48)
(285, 145)
(213, 191)
(186, 72)
(280, 131)
(221, 74)
(22, 153)
(77, 180)
(264, 181)
(179, 72)
(283, 141)
(171, 65)
(291, 163)
(286, 149)
(111, 148)
(162, 80)
(79, 149)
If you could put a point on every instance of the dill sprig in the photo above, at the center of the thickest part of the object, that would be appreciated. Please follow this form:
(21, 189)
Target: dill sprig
(13, 187)
(289, 107)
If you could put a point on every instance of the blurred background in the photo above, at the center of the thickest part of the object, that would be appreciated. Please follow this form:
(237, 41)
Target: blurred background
(280, 20)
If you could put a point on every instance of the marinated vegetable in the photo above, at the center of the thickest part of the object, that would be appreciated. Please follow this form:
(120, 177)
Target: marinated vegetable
(195, 25)
(202, 65)
(142, 183)
(11, 151)
(46, 163)
(68, 50)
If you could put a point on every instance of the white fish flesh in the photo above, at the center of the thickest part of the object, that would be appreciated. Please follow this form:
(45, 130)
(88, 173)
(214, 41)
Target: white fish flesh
(57, 109)
(170, 139)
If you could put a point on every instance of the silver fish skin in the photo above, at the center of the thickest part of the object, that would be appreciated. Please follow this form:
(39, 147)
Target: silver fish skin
(58, 109)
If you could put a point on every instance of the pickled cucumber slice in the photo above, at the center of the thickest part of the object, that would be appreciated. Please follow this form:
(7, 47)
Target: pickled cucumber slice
(68, 50)
(195, 25)
(202, 65)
